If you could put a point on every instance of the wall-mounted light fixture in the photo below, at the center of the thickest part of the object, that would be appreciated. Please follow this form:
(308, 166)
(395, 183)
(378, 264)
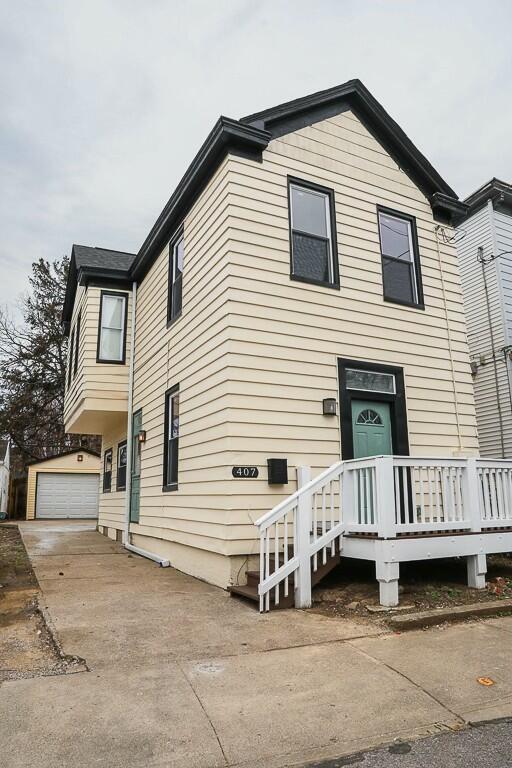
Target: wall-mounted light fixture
(141, 437)
(80, 457)
(329, 406)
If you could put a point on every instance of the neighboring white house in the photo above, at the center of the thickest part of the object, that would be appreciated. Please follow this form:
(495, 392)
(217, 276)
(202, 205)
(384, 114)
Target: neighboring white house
(5, 458)
(485, 256)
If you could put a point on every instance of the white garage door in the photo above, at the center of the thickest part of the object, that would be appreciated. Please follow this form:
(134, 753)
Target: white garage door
(61, 494)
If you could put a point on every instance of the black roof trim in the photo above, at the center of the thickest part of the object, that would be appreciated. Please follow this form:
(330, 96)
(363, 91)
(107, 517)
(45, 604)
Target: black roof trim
(354, 95)
(64, 453)
(227, 135)
(498, 191)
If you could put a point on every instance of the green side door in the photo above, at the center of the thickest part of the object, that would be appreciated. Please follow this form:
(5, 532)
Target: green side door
(371, 429)
(135, 484)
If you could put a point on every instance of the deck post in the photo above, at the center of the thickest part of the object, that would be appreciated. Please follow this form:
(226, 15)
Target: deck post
(387, 574)
(385, 497)
(303, 541)
(477, 568)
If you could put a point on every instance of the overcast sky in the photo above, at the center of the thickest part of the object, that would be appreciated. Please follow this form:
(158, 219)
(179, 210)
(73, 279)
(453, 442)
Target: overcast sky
(105, 102)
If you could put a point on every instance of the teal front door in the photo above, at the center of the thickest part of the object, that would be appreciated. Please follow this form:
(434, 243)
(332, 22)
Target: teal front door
(135, 484)
(371, 428)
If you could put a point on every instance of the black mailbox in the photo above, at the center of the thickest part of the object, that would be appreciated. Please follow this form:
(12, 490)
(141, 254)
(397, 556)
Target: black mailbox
(277, 471)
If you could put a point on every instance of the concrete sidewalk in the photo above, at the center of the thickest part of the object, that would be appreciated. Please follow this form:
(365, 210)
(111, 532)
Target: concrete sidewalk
(180, 674)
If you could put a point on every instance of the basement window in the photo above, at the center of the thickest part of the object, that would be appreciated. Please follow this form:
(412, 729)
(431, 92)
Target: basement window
(107, 471)
(112, 328)
(171, 434)
(401, 274)
(313, 234)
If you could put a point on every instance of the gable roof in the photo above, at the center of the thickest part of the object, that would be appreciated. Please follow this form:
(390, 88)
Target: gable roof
(63, 453)
(252, 134)
(88, 263)
(498, 191)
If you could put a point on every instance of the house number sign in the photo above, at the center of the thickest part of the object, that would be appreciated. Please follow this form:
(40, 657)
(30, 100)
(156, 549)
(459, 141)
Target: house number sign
(245, 472)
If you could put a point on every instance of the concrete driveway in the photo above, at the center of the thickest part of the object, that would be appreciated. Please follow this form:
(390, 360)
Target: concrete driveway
(180, 674)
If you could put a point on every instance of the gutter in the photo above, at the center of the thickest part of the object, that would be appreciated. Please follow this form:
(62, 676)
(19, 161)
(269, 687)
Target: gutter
(129, 445)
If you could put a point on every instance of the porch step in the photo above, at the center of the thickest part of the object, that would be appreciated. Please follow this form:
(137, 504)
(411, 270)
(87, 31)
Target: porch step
(249, 591)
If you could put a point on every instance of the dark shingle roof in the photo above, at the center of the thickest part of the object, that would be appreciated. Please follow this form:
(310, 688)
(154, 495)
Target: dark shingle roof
(102, 258)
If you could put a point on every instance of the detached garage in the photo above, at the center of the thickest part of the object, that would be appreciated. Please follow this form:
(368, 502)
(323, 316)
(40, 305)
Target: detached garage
(64, 486)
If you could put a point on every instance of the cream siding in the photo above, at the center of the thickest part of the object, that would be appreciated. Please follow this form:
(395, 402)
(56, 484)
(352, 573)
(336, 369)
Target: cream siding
(112, 504)
(60, 464)
(486, 328)
(98, 396)
(255, 353)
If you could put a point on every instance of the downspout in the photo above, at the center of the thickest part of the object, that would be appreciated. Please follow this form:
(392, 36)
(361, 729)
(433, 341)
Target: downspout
(450, 346)
(129, 447)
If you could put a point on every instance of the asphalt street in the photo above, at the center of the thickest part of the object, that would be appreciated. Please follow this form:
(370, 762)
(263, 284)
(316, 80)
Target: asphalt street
(482, 746)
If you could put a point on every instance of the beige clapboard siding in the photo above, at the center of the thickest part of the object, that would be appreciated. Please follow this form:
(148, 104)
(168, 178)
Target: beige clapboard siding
(289, 335)
(112, 505)
(192, 352)
(61, 464)
(98, 386)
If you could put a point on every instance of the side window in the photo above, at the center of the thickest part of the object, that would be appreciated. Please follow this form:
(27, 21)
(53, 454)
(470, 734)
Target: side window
(77, 342)
(171, 437)
(112, 328)
(401, 272)
(122, 453)
(70, 356)
(313, 234)
(176, 256)
(107, 471)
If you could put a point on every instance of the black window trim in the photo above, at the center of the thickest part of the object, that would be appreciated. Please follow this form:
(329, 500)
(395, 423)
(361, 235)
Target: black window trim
(334, 239)
(77, 342)
(119, 446)
(107, 474)
(167, 487)
(420, 303)
(122, 294)
(178, 235)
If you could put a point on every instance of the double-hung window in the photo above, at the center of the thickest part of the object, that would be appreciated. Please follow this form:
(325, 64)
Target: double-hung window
(112, 328)
(401, 274)
(70, 356)
(77, 343)
(171, 437)
(122, 454)
(176, 255)
(314, 256)
(107, 471)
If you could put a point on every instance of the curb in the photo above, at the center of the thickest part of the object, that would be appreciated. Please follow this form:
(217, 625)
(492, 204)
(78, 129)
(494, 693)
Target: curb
(423, 619)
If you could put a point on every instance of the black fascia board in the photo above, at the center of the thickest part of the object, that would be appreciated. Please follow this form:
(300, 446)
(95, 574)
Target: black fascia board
(499, 192)
(355, 96)
(227, 135)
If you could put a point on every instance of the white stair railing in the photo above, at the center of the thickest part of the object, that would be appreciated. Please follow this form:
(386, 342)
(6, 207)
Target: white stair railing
(298, 535)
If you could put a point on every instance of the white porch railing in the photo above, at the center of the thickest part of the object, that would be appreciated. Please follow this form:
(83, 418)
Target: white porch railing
(385, 496)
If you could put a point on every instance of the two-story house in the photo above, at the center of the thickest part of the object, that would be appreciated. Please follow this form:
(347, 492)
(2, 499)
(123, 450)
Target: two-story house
(298, 299)
(484, 244)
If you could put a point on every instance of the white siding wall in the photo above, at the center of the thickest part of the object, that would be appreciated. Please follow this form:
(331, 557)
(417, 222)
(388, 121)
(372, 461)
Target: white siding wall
(478, 231)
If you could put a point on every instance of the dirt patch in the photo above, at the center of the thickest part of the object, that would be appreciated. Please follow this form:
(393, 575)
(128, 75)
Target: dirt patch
(27, 645)
(352, 586)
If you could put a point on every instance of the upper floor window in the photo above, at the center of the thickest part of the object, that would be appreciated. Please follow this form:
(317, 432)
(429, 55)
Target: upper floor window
(313, 234)
(176, 254)
(107, 471)
(171, 436)
(122, 455)
(77, 342)
(112, 328)
(70, 356)
(401, 275)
